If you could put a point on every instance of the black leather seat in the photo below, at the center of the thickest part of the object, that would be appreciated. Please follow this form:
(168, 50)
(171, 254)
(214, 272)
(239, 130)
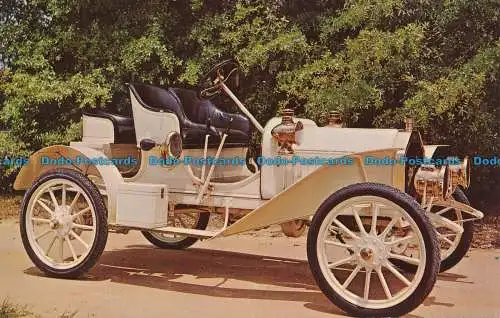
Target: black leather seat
(123, 126)
(193, 114)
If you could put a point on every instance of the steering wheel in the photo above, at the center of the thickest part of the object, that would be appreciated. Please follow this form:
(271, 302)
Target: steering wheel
(210, 84)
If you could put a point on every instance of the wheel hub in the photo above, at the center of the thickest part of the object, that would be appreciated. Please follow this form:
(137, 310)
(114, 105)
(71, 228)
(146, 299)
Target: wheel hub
(62, 222)
(372, 251)
(366, 253)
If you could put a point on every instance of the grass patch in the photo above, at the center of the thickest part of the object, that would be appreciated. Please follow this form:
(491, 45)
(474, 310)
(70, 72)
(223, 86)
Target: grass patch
(8, 309)
(9, 207)
(487, 232)
(69, 314)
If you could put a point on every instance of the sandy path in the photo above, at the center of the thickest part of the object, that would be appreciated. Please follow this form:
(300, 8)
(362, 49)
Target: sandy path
(243, 276)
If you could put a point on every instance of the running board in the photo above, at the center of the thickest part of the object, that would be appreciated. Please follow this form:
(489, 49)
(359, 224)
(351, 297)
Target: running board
(167, 230)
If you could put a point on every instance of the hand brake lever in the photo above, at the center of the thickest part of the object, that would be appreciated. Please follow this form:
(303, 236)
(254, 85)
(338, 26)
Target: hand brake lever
(205, 148)
(206, 181)
(211, 130)
(228, 128)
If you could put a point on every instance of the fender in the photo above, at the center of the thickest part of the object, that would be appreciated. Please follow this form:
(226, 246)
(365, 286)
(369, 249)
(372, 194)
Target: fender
(108, 173)
(304, 197)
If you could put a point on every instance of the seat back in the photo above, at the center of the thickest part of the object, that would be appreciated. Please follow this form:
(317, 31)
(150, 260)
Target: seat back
(156, 98)
(190, 103)
(201, 110)
(156, 112)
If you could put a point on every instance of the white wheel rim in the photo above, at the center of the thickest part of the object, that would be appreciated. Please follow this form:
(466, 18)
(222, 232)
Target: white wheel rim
(188, 220)
(60, 224)
(370, 252)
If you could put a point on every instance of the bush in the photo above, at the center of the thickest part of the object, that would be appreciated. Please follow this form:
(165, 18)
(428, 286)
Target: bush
(376, 61)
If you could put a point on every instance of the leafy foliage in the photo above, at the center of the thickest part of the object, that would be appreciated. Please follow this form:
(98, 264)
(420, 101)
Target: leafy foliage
(376, 61)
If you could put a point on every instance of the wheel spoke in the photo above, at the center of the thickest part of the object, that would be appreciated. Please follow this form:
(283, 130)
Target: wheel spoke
(409, 260)
(333, 230)
(79, 239)
(53, 197)
(375, 210)
(77, 195)
(77, 214)
(444, 210)
(351, 277)
(71, 248)
(45, 207)
(459, 215)
(40, 220)
(182, 222)
(381, 277)
(63, 195)
(368, 275)
(339, 244)
(39, 236)
(50, 245)
(341, 262)
(358, 220)
(429, 205)
(83, 227)
(399, 241)
(345, 229)
(443, 238)
(388, 228)
(444, 222)
(61, 249)
(448, 235)
(396, 273)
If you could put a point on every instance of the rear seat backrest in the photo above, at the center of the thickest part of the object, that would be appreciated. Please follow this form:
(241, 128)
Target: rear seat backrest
(156, 112)
(159, 99)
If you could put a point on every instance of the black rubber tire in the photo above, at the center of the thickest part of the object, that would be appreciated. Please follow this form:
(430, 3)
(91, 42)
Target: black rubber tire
(415, 211)
(184, 243)
(463, 246)
(101, 223)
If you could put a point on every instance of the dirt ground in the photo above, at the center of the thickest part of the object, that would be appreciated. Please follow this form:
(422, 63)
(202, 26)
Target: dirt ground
(260, 274)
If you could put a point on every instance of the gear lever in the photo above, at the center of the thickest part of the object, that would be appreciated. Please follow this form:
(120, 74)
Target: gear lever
(205, 149)
(206, 182)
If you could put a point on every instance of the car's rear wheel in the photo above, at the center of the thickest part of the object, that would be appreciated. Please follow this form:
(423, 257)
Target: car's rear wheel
(190, 220)
(349, 250)
(63, 223)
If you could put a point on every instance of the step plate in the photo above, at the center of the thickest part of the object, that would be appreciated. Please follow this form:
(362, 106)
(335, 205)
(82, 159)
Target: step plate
(168, 230)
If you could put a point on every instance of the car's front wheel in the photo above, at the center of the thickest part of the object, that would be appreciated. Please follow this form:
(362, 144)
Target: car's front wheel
(349, 248)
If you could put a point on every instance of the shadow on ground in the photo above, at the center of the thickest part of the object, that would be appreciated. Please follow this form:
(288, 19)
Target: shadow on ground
(220, 274)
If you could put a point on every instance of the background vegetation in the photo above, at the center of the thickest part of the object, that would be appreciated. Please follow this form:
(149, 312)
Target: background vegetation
(376, 61)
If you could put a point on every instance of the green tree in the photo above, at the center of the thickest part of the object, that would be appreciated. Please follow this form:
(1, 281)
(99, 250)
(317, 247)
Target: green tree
(376, 61)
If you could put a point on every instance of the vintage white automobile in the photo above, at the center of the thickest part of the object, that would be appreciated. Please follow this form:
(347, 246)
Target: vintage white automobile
(378, 233)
